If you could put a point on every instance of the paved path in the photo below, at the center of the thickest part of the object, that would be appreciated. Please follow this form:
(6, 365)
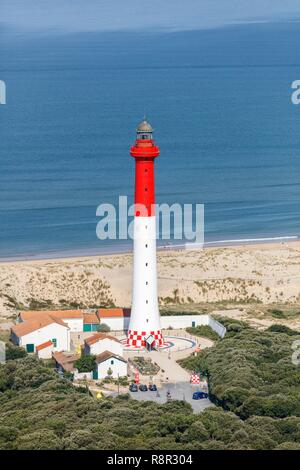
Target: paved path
(173, 370)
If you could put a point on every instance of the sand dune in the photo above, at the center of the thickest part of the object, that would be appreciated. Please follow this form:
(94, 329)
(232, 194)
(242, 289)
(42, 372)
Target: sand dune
(268, 273)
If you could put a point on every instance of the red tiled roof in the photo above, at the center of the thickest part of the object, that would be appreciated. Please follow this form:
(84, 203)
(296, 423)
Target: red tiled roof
(44, 345)
(34, 314)
(107, 355)
(98, 337)
(65, 360)
(26, 327)
(114, 312)
(91, 318)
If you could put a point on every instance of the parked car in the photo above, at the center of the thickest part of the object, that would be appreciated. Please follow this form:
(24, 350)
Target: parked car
(153, 388)
(199, 395)
(143, 388)
(133, 387)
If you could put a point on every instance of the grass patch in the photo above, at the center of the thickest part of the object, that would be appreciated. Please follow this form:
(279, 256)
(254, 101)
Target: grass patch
(205, 331)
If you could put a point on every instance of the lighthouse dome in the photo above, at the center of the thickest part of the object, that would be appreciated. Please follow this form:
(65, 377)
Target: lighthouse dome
(144, 126)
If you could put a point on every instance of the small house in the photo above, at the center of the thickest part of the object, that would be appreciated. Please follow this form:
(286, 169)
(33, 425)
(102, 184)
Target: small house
(35, 332)
(72, 318)
(101, 342)
(44, 350)
(116, 318)
(109, 364)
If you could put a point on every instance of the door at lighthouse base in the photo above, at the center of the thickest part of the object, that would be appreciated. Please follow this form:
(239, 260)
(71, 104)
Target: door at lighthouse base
(150, 342)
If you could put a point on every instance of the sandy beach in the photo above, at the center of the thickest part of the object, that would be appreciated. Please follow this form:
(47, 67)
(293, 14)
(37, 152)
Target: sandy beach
(266, 273)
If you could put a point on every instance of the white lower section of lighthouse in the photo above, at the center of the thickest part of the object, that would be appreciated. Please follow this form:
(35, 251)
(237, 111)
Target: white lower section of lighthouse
(145, 318)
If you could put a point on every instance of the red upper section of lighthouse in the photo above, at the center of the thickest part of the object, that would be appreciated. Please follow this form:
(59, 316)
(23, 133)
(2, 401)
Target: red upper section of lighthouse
(144, 151)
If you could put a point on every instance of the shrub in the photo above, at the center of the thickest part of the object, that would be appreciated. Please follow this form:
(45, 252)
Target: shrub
(85, 363)
(276, 313)
(103, 328)
(282, 329)
(14, 352)
(203, 330)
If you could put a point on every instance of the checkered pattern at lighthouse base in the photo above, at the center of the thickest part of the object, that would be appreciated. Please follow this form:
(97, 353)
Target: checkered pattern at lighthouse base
(195, 379)
(138, 338)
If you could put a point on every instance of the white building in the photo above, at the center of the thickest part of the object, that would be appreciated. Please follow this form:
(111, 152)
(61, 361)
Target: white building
(109, 362)
(116, 318)
(100, 342)
(32, 333)
(44, 350)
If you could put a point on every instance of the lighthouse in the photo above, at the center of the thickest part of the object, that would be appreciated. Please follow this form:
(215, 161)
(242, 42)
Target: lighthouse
(144, 327)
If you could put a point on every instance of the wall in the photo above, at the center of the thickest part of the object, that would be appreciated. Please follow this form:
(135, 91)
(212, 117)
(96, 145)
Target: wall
(75, 324)
(119, 367)
(61, 333)
(175, 321)
(185, 321)
(45, 353)
(82, 375)
(216, 326)
(117, 323)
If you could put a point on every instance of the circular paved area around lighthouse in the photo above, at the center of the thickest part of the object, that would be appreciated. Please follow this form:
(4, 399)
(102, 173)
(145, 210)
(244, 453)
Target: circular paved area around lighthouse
(171, 343)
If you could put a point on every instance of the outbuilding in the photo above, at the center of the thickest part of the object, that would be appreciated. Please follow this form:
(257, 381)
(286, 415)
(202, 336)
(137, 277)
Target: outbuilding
(116, 318)
(101, 342)
(44, 350)
(72, 318)
(32, 333)
(109, 364)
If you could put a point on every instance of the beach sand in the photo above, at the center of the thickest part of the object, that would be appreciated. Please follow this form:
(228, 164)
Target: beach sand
(267, 273)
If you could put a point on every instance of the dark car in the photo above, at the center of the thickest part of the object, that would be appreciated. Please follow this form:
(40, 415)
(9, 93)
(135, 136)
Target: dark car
(133, 388)
(143, 388)
(153, 388)
(199, 395)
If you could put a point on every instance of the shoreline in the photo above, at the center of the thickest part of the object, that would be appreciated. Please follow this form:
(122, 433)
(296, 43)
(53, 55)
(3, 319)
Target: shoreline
(255, 243)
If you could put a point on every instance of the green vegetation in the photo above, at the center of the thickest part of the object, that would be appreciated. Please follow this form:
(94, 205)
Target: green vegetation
(14, 352)
(103, 328)
(276, 313)
(251, 373)
(123, 381)
(282, 311)
(39, 410)
(35, 304)
(145, 366)
(169, 312)
(85, 363)
(231, 324)
(12, 302)
(283, 329)
(203, 330)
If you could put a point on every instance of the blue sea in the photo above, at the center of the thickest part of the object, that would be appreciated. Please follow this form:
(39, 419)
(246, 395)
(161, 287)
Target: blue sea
(220, 103)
